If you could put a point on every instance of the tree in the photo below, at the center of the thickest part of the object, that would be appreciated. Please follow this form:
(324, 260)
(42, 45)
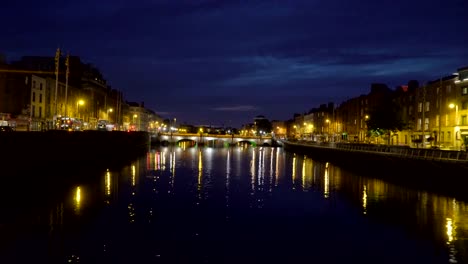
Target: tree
(385, 119)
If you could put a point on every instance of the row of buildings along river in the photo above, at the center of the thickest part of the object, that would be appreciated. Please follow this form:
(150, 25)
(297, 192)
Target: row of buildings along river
(435, 113)
(39, 92)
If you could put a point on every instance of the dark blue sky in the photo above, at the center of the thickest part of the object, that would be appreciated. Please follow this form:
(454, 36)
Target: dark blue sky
(224, 62)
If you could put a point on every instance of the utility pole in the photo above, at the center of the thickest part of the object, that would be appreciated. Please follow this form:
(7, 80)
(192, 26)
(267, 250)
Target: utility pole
(423, 120)
(67, 64)
(57, 62)
(440, 106)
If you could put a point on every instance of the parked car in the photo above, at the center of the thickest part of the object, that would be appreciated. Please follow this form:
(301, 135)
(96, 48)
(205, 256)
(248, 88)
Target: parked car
(6, 129)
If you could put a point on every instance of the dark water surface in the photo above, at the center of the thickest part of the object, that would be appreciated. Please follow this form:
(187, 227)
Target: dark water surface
(231, 205)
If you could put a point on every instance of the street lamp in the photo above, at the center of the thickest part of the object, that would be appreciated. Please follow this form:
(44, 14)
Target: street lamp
(134, 123)
(201, 135)
(110, 110)
(457, 128)
(328, 130)
(78, 103)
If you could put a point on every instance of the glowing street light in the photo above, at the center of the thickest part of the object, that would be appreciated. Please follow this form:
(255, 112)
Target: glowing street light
(78, 104)
(457, 128)
(134, 123)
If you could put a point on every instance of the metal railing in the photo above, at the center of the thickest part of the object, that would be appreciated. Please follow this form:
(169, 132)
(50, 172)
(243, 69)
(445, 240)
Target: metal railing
(397, 151)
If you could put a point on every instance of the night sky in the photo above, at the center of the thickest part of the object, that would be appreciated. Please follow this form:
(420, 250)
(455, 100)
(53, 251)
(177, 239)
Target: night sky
(224, 62)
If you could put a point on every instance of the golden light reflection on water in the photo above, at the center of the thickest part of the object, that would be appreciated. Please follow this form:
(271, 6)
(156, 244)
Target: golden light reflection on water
(228, 168)
(107, 182)
(133, 175)
(444, 218)
(200, 172)
(450, 229)
(272, 158)
(326, 182)
(77, 200)
(364, 199)
(172, 162)
(294, 161)
(277, 167)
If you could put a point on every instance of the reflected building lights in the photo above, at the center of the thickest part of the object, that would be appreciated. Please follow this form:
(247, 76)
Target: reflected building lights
(200, 172)
(277, 167)
(133, 175)
(326, 183)
(450, 230)
(364, 199)
(293, 171)
(157, 160)
(228, 168)
(172, 167)
(77, 199)
(272, 157)
(261, 169)
(163, 159)
(252, 172)
(108, 182)
(304, 172)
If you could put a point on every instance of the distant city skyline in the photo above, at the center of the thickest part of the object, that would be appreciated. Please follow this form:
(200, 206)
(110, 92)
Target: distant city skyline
(225, 62)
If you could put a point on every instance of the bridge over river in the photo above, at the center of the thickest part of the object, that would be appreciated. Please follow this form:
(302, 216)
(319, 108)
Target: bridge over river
(208, 139)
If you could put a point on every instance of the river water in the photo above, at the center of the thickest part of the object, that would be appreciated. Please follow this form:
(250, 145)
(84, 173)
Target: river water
(232, 205)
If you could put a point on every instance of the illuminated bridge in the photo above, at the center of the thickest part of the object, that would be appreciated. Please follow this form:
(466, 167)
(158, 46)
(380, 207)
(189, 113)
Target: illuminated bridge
(202, 139)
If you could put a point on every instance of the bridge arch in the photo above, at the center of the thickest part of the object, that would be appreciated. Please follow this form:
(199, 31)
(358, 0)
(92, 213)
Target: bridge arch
(203, 139)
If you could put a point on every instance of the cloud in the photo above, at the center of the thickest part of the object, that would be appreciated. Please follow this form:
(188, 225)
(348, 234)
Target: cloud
(237, 108)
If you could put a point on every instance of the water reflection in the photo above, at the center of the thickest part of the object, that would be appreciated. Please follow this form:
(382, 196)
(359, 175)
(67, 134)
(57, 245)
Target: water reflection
(260, 193)
(77, 200)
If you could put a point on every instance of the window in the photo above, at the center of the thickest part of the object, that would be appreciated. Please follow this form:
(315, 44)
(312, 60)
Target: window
(426, 123)
(33, 110)
(449, 136)
(40, 98)
(406, 139)
(463, 120)
(465, 90)
(40, 111)
(40, 86)
(442, 136)
(34, 84)
(420, 107)
(464, 105)
(427, 107)
(419, 123)
(34, 97)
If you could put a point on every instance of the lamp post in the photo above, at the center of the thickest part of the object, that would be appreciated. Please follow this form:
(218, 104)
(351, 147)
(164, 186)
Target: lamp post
(78, 103)
(110, 110)
(328, 129)
(456, 130)
(201, 136)
(134, 123)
